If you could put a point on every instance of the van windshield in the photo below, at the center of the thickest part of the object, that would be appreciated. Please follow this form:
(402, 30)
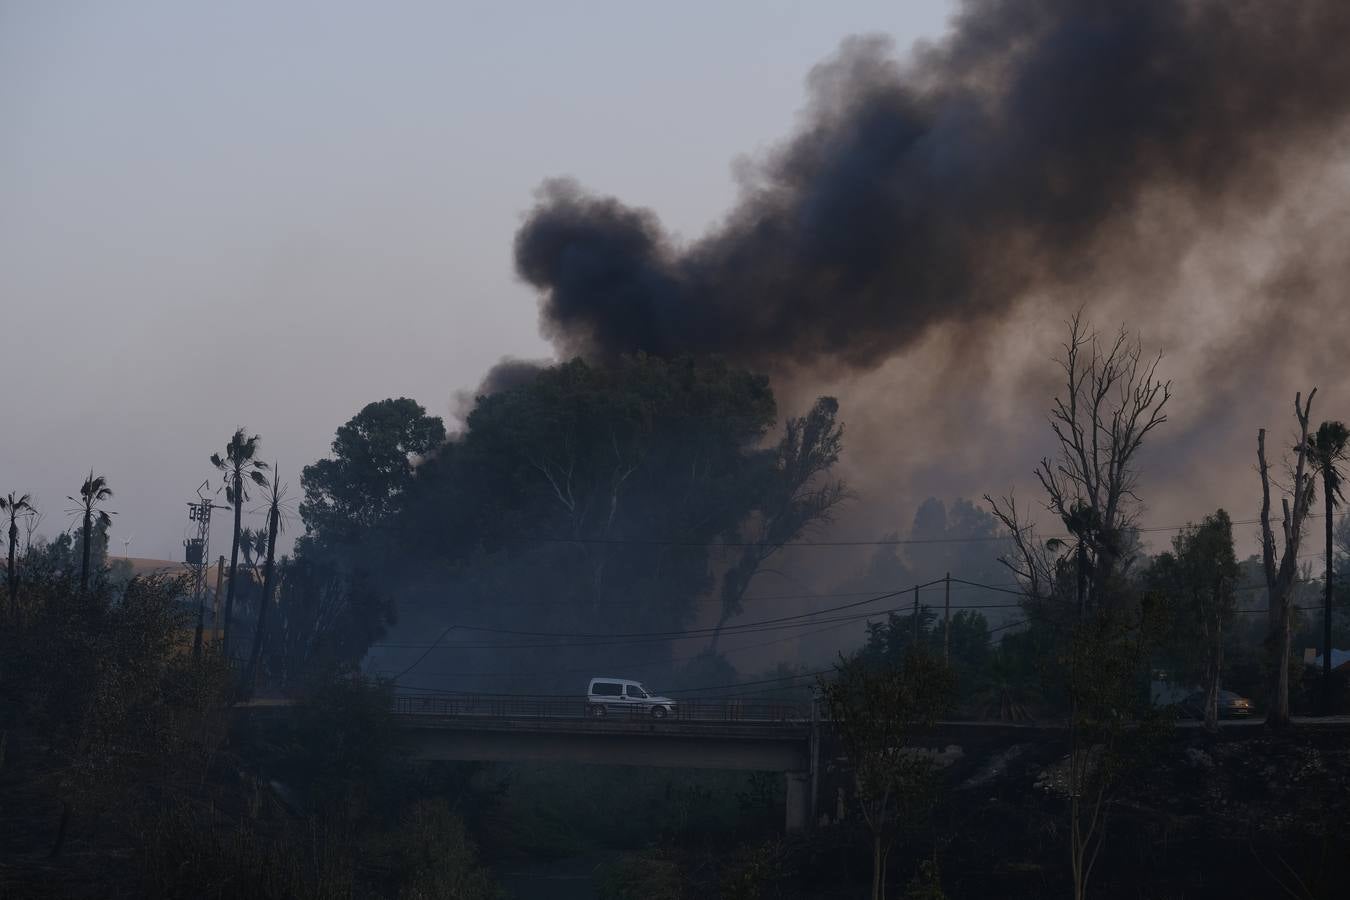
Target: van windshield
(638, 690)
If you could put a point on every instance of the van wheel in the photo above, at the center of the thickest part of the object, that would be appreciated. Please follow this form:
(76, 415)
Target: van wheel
(658, 712)
(597, 712)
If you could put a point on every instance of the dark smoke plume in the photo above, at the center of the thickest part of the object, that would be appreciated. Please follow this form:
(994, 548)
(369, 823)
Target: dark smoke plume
(1009, 158)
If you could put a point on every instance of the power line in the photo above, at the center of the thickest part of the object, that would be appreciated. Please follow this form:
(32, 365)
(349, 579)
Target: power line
(884, 542)
(762, 624)
(662, 542)
(758, 598)
(781, 623)
(601, 641)
(778, 623)
(775, 680)
(632, 665)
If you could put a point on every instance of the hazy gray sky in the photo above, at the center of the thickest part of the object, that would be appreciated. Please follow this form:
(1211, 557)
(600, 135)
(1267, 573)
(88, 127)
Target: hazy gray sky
(269, 214)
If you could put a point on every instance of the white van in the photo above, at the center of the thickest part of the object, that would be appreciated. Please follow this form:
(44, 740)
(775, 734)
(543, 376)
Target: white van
(622, 695)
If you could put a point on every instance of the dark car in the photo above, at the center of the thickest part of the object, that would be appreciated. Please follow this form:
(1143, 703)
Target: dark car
(1231, 706)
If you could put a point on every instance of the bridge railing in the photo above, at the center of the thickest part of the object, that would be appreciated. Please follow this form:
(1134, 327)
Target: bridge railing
(518, 706)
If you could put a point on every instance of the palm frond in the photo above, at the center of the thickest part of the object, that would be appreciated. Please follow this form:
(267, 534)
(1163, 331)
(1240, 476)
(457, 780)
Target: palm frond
(16, 505)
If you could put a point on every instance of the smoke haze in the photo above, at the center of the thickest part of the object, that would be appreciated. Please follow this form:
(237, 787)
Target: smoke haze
(918, 242)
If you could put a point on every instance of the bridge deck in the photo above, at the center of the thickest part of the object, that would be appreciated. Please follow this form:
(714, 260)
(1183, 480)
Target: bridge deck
(743, 729)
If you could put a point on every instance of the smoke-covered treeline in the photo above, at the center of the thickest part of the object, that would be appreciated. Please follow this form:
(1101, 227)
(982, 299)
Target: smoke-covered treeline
(587, 500)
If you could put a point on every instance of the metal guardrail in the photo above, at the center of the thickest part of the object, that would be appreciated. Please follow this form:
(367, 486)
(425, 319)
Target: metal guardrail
(517, 706)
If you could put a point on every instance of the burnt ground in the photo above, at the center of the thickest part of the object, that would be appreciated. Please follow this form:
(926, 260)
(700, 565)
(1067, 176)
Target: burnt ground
(1235, 815)
(1243, 814)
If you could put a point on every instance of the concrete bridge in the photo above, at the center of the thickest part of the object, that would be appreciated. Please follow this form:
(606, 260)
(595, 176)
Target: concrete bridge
(701, 735)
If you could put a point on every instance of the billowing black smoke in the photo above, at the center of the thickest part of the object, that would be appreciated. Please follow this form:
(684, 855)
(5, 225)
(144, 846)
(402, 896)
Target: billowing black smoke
(944, 188)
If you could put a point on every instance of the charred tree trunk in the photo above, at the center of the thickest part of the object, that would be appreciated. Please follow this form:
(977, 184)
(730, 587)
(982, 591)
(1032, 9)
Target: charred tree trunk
(269, 571)
(84, 556)
(1280, 580)
(1211, 624)
(1328, 495)
(12, 572)
(234, 567)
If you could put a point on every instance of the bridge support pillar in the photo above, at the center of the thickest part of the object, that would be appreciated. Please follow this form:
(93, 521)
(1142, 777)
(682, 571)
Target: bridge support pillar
(798, 801)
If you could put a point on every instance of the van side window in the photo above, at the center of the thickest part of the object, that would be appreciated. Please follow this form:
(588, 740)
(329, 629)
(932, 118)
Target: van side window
(607, 689)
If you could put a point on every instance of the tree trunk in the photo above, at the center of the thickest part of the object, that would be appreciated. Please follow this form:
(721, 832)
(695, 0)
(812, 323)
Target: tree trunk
(84, 557)
(1278, 716)
(1211, 697)
(1280, 581)
(1326, 603)
(1076, 845)
(269, 568)
(12, 571)
(1213, 658)
(1216, 674)
(234, 567)
(876, 866)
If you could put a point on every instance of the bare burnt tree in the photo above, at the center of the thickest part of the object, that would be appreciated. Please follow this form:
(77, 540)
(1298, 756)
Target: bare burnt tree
(1281, 578)
(798, 496)
(1112, 398)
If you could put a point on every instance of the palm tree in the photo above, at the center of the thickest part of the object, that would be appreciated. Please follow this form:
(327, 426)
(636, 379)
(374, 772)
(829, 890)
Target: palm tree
(1084, 523)
(1326, 451)
(274, 498)
(239, 467)
(15, 507)
(93, 492)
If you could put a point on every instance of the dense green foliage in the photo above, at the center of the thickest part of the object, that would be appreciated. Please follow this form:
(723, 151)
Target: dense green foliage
(877, 708)
(125, 773)
(351, 497)
(584, 499)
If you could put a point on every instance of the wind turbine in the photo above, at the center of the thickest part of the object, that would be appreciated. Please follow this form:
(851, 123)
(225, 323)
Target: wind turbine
(125, 544)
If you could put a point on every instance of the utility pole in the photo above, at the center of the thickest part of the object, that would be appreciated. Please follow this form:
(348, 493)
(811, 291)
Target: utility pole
(196, 553)
(916, 617)
(947, 620)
